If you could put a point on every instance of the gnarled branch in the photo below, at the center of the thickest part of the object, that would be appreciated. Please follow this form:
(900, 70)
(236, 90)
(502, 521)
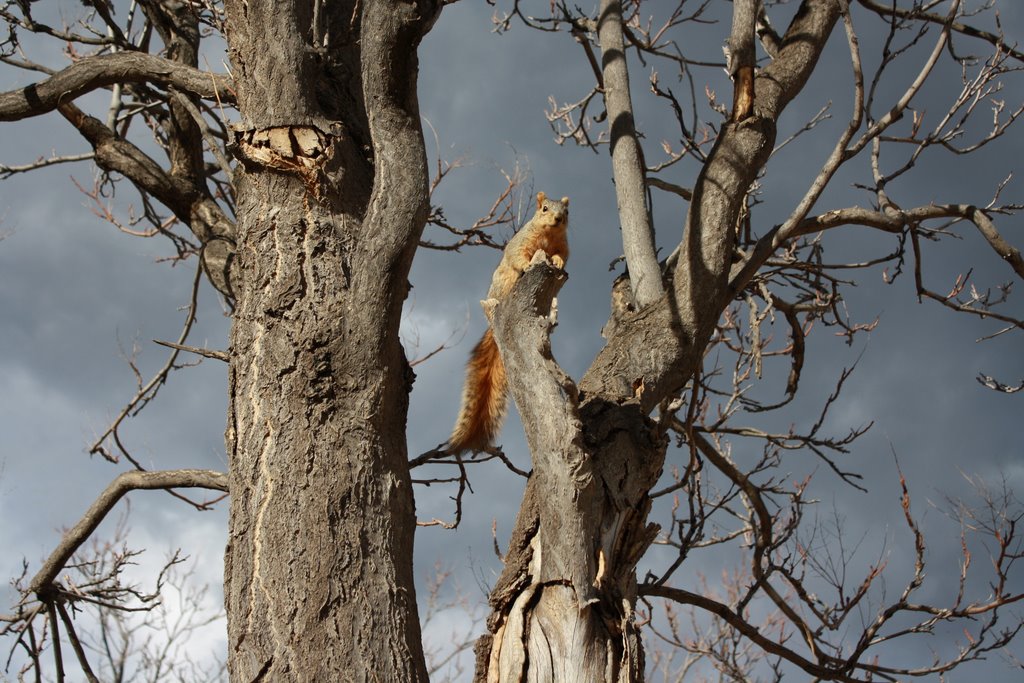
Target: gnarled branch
(101, 71)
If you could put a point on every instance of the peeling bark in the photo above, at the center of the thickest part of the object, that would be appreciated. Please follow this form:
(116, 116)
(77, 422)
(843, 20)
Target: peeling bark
(742, 57)
(563, 605)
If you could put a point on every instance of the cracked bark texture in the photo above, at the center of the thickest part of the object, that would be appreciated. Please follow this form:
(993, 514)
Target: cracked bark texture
(563, 607)
(318, 571)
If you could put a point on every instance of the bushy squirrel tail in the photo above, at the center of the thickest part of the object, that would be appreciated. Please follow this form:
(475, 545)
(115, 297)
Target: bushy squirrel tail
(484, 398)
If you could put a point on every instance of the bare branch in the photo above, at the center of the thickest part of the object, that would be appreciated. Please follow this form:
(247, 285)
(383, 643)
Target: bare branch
(917, 13)
(741, 624)
(69, 628)
(887, 221)
(992, 383)
(683, 192)
(770, 39)
(896, 111)
(207, 353)
(148, 392)
(101, 71)
(43, 162)
(189, 201)
(741, 57)
(97, 512)
(987, 228)
(627, 161)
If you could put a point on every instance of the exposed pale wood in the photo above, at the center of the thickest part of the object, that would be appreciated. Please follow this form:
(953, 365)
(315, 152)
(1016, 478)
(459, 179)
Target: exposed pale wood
(595, 451)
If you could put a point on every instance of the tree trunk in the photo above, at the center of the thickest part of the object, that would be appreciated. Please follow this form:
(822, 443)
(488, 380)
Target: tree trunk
(563, 607)
(332, 199)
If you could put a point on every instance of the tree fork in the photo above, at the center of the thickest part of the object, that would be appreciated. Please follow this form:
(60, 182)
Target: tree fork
(563, 607)
(596, 453)
(318, 569)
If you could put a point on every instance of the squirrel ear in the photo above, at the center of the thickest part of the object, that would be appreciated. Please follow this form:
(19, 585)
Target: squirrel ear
(540, 199)
(565, 201)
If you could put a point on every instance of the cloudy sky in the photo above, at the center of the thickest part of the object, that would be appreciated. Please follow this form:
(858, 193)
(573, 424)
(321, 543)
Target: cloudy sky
(76, 296)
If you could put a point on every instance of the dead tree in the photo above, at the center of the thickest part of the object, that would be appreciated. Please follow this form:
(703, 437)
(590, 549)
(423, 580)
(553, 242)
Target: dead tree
(305, 214)
(564, 608)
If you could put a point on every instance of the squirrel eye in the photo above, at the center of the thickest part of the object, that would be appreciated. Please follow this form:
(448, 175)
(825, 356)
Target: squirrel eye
(545, 209)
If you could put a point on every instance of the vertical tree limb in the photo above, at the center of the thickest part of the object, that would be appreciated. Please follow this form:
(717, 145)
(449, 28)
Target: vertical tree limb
(742, 57)
(322, 520)
(663, 344)
(627, 160)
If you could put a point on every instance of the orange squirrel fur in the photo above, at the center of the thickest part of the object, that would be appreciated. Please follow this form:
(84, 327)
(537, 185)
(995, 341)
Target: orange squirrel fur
(485, 395)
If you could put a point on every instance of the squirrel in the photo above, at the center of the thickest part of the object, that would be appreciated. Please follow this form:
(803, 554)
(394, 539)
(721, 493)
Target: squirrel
(485, 395)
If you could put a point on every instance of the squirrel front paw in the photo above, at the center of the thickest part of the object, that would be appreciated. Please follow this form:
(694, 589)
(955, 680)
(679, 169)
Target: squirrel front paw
(488, 305)
(542, 256)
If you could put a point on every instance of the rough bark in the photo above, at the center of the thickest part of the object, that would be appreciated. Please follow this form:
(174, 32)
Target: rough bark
(332, 199)
(569, 584)
(331, 203)
(563, 607)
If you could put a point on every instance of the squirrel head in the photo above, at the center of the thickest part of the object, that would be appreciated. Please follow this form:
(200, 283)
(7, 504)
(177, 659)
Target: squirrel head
(551, 212)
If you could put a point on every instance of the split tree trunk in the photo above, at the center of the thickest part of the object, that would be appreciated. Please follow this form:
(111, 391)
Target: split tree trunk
(332, 199)
(562, 610)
